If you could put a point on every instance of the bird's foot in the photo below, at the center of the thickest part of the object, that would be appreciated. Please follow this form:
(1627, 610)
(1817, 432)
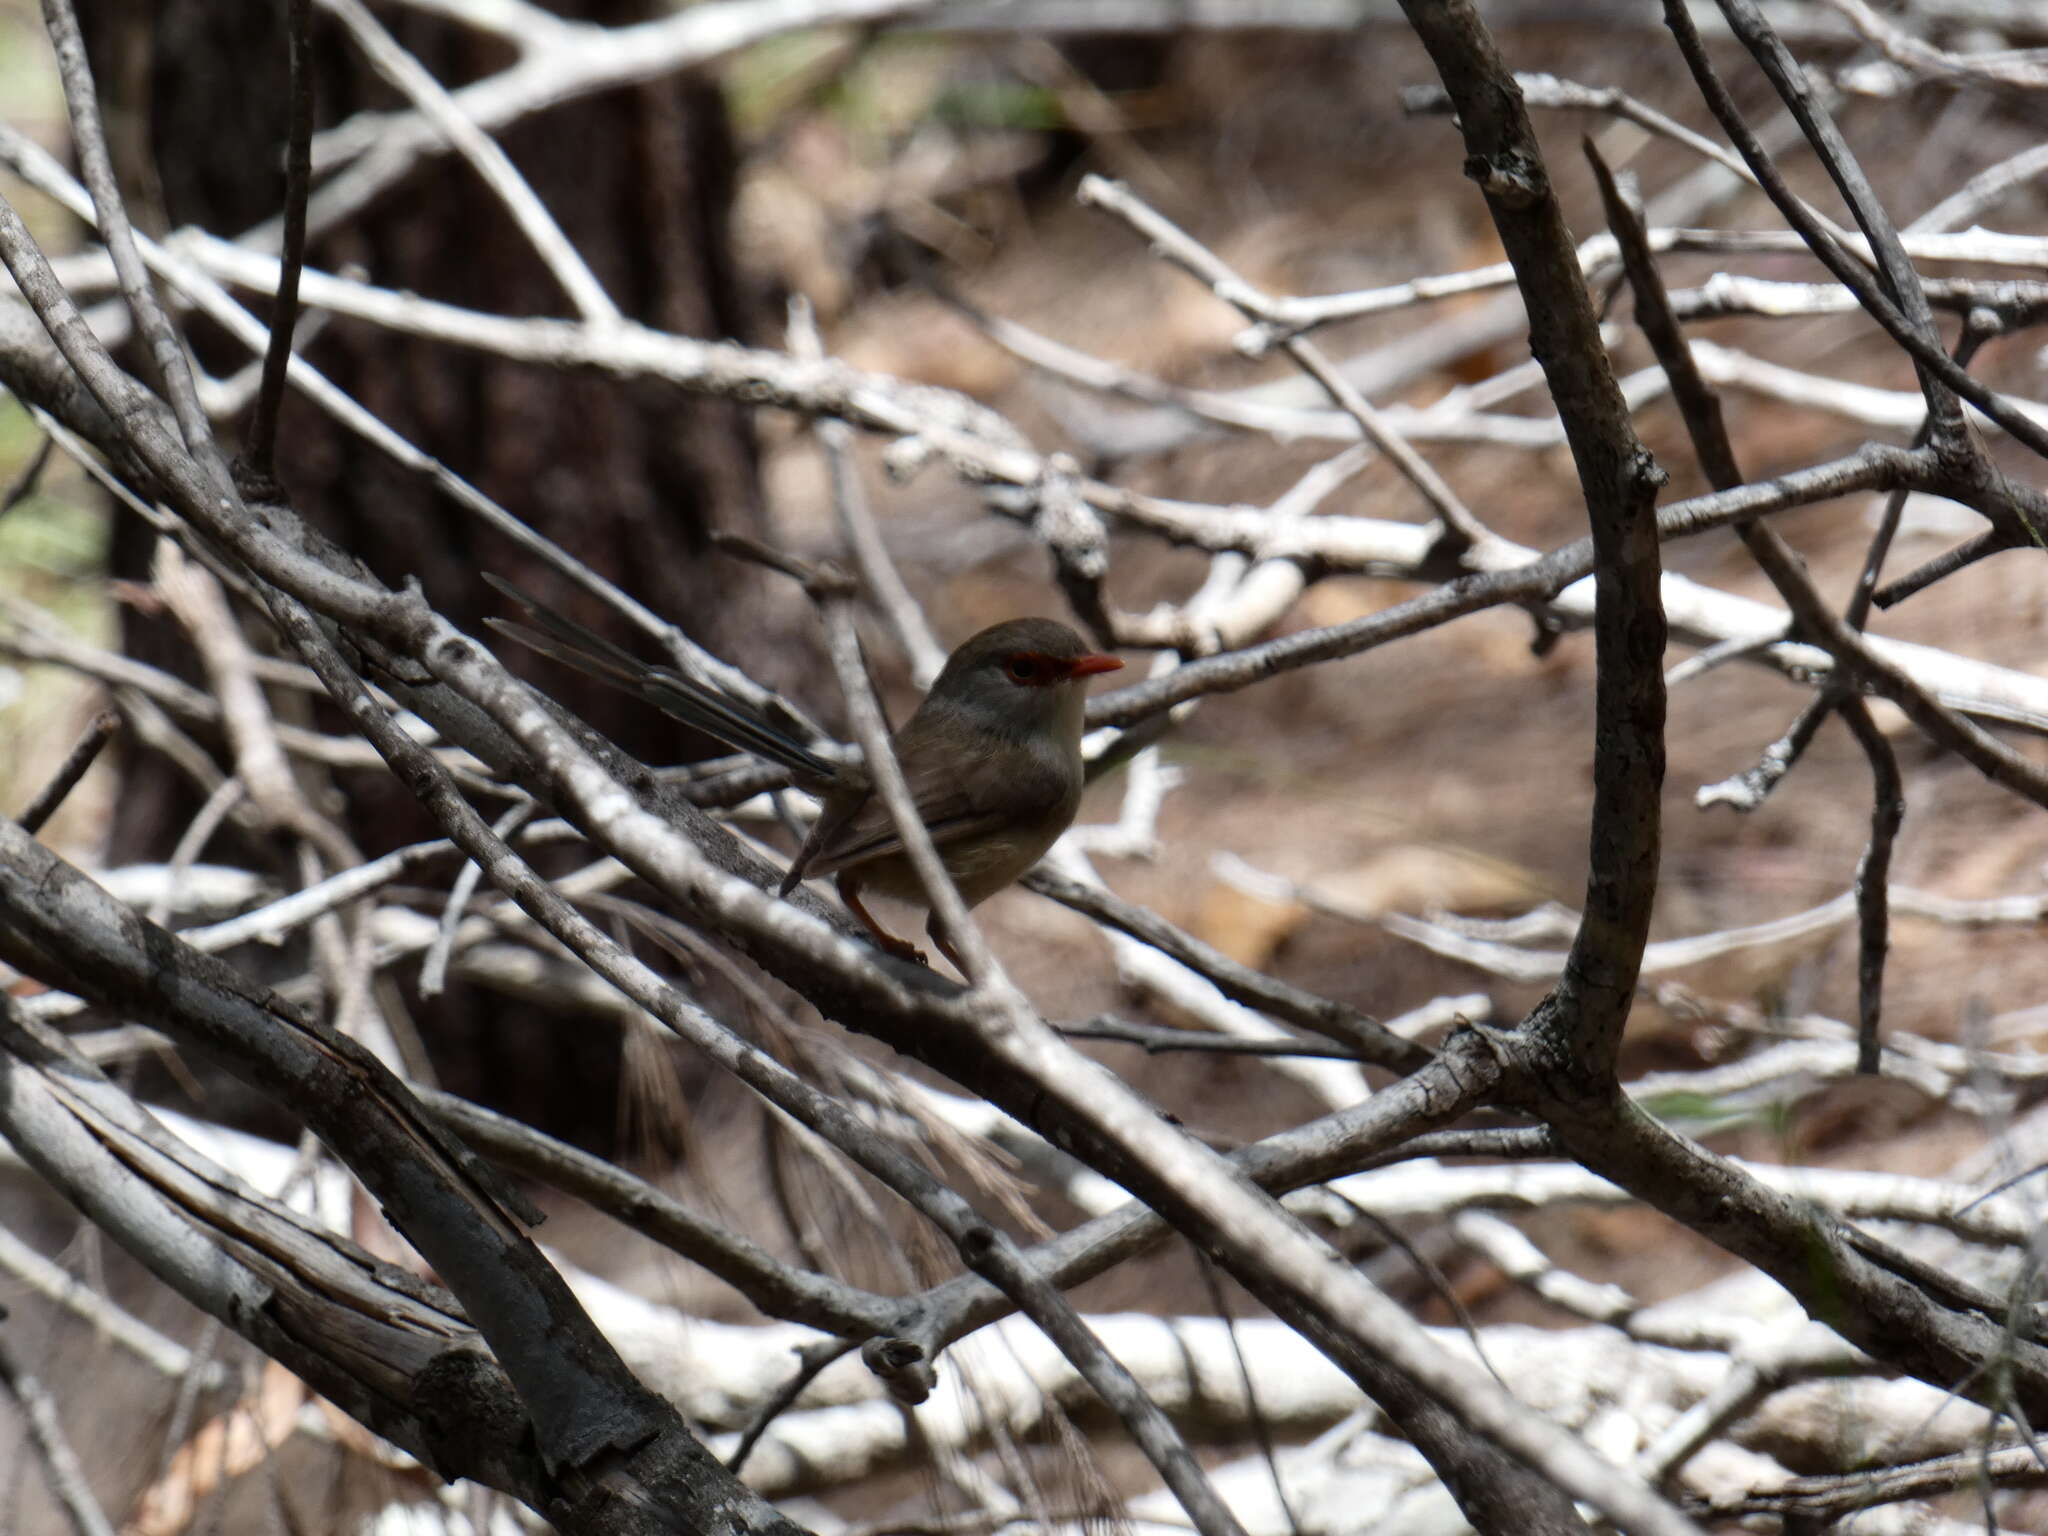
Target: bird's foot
(902, 949)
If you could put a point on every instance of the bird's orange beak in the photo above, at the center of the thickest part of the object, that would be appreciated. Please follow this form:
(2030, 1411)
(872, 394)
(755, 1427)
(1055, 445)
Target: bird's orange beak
(1088, 666)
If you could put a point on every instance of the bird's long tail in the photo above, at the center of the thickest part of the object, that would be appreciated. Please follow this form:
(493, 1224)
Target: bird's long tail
(696, 704)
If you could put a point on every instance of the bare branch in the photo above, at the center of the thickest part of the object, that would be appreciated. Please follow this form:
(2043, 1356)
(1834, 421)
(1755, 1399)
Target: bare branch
(1368, 1037)
(1461, 530)
(60, 1464)
(74, 767)
(298, 175)
(588, 1411)
(435, 104)
(90, 140)
(1587, 1011)
(776, 1288)
(2023, 69)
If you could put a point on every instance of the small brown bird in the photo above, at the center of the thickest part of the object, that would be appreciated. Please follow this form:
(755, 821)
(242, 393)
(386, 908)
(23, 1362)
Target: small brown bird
(992, 757)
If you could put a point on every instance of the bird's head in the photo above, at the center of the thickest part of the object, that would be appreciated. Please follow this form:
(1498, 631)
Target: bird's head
(1025, 676)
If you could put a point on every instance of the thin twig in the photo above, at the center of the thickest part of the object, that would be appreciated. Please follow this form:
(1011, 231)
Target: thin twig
(1873, 937)
(434, 968)
(1368, 1038)
(858, 529)
(1974, 335)
(1747, 791)
(1904, 314)
(108, 1322)
(2022, 69)
(1461, 530)
(24, 484)
(82, 756)
(1158, 1038)
(778, 1289)
(89, 141)
(60, 1464)
(491, 162)
(228, 798)
(1993, 541)
(298, 176)
(812, 1359)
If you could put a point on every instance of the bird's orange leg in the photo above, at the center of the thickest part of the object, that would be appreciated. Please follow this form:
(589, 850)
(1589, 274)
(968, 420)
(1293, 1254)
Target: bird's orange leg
(902, 949)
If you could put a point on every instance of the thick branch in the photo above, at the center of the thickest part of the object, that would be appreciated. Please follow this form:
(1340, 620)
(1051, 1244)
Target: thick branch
(1579, 1030)
(621, 1445)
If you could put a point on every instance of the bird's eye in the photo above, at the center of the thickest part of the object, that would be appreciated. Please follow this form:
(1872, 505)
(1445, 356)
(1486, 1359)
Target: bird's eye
(1022, 669)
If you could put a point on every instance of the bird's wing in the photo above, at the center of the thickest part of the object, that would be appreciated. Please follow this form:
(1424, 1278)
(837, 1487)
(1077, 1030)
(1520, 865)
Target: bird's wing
(961, 795)
(714, 713)
(867, 832)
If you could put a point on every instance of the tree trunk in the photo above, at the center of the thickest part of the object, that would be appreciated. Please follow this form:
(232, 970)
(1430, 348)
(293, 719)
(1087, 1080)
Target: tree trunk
(629, 479)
